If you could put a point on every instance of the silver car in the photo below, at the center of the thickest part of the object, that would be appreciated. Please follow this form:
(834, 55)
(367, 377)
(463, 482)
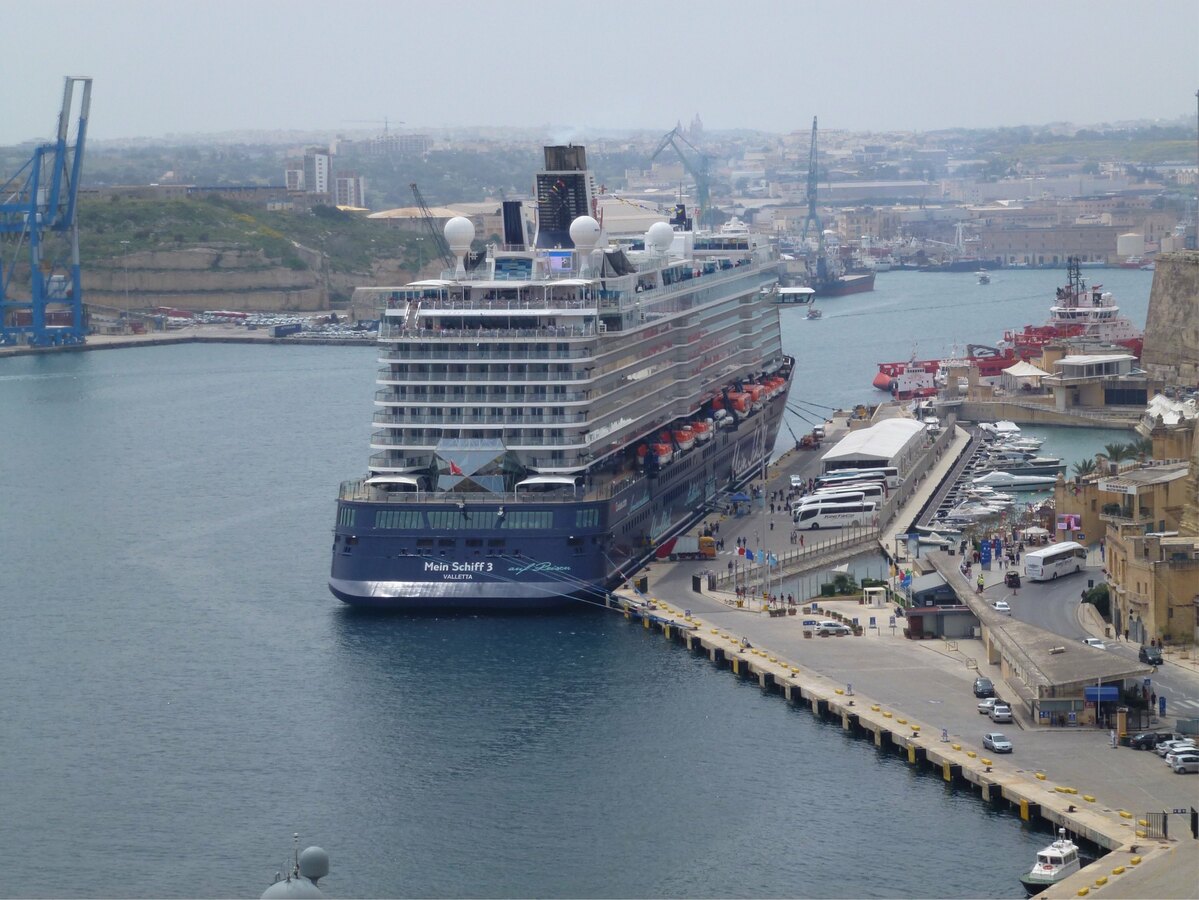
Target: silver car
(1185, 762)
(1001, 712)
(997, 742)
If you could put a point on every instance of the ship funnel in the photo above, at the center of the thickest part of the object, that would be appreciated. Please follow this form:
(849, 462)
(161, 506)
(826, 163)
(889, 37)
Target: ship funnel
(459, 232)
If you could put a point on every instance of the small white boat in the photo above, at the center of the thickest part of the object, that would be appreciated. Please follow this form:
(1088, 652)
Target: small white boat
(999, 429)
(983, 276)
(1057, 861)
(998, 478)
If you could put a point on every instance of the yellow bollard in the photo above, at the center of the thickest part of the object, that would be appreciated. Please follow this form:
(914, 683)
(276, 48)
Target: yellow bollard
(1040, 776)
(1141, 833)
(902, 721)
(1101, 881)
(874, 707)
(972, 754)
(838, 691)
(1088, 798)
(984, 761)
(1125, 815)
(1119, 870)
(886, 715)
(1144, 823)
(1083, 891)
(956, 746)
(1135, 861)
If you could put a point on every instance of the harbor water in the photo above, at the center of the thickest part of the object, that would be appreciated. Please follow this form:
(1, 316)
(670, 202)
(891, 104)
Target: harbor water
(182, 693)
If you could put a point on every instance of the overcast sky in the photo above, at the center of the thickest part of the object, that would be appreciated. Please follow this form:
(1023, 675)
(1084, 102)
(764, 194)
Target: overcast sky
(202, 66)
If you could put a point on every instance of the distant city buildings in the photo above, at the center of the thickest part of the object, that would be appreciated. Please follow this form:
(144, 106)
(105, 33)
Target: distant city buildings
(317, 170)
(349, 190)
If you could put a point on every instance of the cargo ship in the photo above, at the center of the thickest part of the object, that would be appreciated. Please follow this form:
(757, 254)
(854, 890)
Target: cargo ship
(553, 410)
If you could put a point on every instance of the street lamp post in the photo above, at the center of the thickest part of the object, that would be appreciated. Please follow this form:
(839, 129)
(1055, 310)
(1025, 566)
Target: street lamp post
(125, 265)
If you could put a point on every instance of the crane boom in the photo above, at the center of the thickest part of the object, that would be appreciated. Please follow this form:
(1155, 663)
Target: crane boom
(696, 163)
(443, 249)
(812, 218)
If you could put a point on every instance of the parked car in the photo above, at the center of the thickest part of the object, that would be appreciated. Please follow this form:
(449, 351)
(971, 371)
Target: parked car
(1179, 752)
(1002, 606)
(983, 687)
(1001, 712)
(997, 742)
(1150, 655)
(1148, 740)
(832, 628)
(1095, 642)
(1185, 762)
(985, 706)
(1166, 746)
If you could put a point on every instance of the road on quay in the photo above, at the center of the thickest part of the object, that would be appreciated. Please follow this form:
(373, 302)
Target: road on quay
(931, 682)
(1056, 606)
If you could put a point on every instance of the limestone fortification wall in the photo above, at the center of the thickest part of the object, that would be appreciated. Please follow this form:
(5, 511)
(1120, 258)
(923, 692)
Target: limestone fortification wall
(1171, 351)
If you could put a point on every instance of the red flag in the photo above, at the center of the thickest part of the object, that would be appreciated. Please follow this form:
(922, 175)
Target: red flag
(454, 470)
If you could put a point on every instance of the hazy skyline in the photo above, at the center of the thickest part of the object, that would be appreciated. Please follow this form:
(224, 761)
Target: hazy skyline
(218, 66)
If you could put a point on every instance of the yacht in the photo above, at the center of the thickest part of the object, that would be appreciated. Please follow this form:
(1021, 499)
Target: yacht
(1054, 863)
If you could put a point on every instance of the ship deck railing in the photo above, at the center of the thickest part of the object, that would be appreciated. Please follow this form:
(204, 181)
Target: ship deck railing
(594, 489)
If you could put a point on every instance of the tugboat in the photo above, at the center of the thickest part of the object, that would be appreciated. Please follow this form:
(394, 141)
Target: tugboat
(1054, 863)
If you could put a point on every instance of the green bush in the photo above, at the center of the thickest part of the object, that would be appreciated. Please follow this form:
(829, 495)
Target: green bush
(1099, 598)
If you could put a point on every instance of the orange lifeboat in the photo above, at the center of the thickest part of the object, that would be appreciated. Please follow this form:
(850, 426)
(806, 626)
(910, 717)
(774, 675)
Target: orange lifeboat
(664, 453)
(756, 395)
(685, 438)
(739, 401)
(642, 453)
(702, 430)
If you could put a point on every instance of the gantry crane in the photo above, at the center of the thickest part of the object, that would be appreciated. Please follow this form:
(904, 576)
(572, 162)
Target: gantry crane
(696, 164)
(38, 226)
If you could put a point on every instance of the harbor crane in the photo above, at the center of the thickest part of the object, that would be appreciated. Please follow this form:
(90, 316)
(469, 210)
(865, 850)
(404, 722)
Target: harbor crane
(812, 218)
(431, 229)
(39, 234)
(696, 163)
(385, 122)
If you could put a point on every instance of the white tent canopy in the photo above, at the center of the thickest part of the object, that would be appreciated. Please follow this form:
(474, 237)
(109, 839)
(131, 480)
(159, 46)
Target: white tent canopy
(1022, 376)
(887, 443)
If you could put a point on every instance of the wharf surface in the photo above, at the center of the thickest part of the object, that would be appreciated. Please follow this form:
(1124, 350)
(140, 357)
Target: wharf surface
(915, 698)
(197, 334)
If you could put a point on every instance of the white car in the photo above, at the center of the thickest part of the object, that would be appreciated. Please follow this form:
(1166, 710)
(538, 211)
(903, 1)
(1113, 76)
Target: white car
(1166, 746)
(1179, 753)
(997, 742)
(985, 706)
(1000, 712)
(832, 628)
(1002, 606)
(1095, 642)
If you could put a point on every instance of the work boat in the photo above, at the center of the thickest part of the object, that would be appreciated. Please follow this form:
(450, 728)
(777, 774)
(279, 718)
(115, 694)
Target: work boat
(550, 410)
(1054, 863)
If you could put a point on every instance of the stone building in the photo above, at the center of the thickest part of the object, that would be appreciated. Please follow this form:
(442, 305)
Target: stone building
(1172, 326)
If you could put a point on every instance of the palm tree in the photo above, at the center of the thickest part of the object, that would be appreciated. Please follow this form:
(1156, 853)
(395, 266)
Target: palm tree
(1142, 447)
(1118, 452)
(1084, 467)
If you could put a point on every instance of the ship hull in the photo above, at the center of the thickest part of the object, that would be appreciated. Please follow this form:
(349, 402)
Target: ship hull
(845, 285)
(483, 567)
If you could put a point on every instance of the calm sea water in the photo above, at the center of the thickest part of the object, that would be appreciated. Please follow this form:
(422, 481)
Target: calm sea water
(182, 692)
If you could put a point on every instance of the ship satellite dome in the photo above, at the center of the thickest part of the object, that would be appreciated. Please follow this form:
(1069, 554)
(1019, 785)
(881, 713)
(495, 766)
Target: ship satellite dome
(293, 889)
(314, 863)
(585, 232)
(459, 232)
(660, 236)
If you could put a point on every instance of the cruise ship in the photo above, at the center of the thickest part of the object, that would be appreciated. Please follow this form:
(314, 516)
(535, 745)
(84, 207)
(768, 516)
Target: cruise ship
(552, 410)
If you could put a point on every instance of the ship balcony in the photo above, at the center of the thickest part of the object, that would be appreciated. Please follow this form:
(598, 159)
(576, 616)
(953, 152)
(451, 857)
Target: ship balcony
(387, 376)
(490, 353)
(384, 441)
(454, 417)
(404, 334)
(531, 398)
(390, 461)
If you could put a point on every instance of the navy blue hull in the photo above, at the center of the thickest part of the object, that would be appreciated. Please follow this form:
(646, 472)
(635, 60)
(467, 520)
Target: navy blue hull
(532, 554)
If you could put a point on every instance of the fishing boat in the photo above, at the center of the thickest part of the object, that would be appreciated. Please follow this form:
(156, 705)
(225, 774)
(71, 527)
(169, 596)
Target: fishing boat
(1054, 863)
(537, 424)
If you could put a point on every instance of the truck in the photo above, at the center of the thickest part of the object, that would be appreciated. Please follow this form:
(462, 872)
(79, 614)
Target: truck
(284, 330)
(688, 546)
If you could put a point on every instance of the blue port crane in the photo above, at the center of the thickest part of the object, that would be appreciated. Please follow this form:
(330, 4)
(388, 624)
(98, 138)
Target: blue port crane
(697, 164)
(39, 234)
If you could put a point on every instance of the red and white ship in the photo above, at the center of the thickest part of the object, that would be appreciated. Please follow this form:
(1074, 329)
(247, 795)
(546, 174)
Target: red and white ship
(1078, 313)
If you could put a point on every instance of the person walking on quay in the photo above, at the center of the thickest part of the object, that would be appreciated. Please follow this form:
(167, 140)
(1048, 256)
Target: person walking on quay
(980, 582)
(1112, 735)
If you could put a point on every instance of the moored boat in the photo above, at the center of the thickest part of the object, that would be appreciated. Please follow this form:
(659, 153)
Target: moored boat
(536, 424)
(1054, 863)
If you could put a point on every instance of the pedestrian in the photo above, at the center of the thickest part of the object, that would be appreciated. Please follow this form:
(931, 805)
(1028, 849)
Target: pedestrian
(772, 524)
(801, 540)
(1153, 701)
(1112, 735)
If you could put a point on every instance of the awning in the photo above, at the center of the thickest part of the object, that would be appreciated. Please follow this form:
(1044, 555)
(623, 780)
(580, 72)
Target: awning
(411, 480)
(546, 479)
(1107, 692)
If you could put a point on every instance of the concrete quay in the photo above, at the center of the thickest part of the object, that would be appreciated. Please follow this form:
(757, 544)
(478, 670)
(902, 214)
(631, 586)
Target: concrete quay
(915, 698)
(198, 334)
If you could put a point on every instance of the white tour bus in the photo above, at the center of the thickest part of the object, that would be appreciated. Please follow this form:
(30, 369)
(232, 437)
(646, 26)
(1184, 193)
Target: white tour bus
(1058, 559)
(872, 490)
(890, 475)
(837, 497)
(837, 515)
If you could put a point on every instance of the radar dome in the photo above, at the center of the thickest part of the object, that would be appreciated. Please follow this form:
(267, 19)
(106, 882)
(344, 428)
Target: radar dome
(459, 232)
(585, 232)
(314, 863)
(660, 236)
